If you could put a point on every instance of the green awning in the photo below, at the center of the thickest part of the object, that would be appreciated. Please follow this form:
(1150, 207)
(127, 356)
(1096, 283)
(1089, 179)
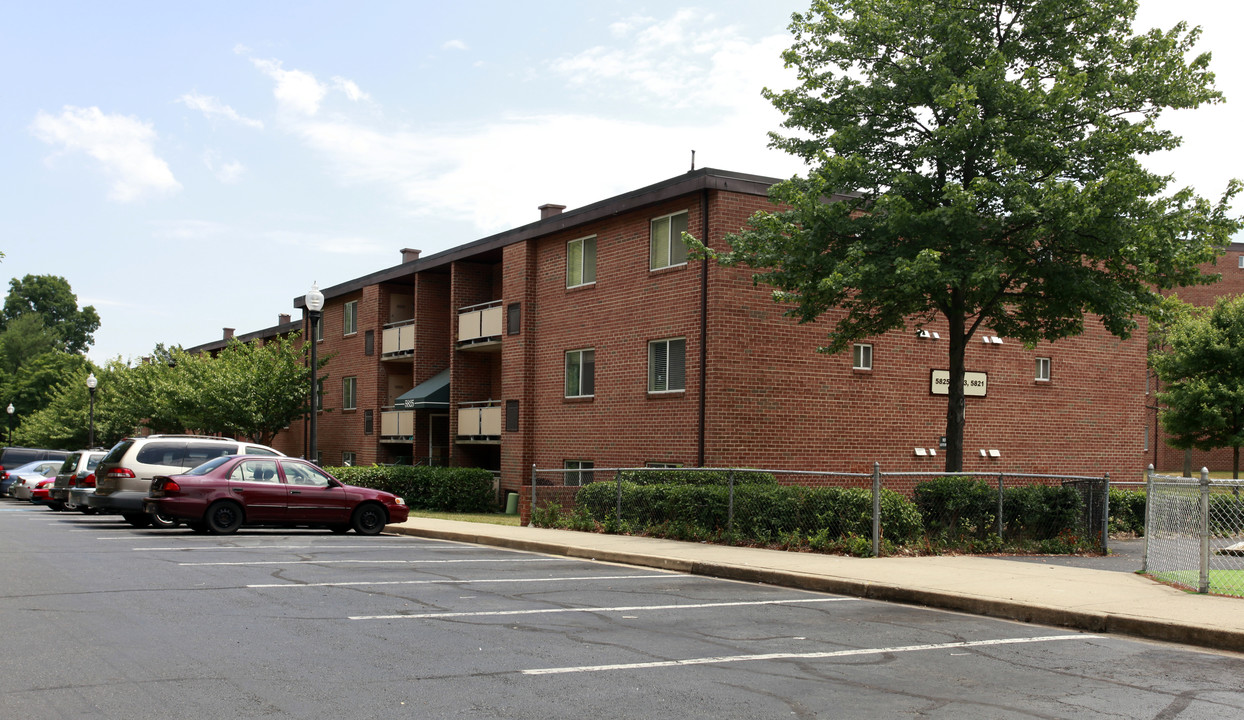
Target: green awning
(429, 394)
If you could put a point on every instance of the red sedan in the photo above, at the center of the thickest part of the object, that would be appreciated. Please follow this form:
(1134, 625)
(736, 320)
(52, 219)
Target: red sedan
(223, 494)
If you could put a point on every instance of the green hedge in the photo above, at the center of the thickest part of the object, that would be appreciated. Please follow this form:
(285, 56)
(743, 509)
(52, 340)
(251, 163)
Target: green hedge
(696, 477)
(762, 513)
(1127, 511)
(446, 489)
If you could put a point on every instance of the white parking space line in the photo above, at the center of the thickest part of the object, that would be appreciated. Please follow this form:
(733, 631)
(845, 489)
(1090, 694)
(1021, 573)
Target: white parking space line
(806, 656)
(625, 608)
(372, 562)
(464, 582)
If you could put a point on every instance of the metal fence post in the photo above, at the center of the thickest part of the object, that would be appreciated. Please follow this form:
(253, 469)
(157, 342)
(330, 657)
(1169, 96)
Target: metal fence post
(618, 515)
(533, 494)
(1204, 588)
(730, 509)
(1144, 564)
(1105, 516)
(1000, 503)
(876, 509)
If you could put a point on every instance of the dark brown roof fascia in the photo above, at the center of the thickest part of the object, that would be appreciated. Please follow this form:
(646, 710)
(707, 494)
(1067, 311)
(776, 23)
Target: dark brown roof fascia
(694, 181)
(274, 331)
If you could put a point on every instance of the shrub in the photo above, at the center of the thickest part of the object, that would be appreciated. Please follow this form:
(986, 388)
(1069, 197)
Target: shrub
(447, 489)
(1127, 511)
(1041, 512)
(956, 508)
(696, 477)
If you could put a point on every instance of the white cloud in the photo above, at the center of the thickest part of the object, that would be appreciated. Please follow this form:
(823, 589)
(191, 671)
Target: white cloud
(295, 90)
(211, 107)
(351, 90)
(454, 45)
(228, 172)
(123, 145)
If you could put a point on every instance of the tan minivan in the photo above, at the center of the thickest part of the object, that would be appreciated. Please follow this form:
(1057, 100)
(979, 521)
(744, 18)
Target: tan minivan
(123, 477)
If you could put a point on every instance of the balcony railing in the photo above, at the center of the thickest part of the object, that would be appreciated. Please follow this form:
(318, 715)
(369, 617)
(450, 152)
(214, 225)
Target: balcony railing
(398, 339)
(479, 422)
(397, 426)
(479, 323)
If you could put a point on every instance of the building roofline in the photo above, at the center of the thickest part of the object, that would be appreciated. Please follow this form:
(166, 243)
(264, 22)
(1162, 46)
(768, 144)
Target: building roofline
(270, 332)
(691, 182)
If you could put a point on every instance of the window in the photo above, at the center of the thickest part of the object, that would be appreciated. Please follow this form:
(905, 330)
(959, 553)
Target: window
(667, 361)
(581, 373)
(581, 472)
(514, 318)
(1043, 369)
(369, 422)
(319, 327)
(319, 395)
(666, 247)
(862, 357)
(511, 416)
(369, 342)
(348, 389)
(350, 318)
(348, 459)
(662, 465)
(299, 474)
(1242, 261)
(581, 262)
(263, 471)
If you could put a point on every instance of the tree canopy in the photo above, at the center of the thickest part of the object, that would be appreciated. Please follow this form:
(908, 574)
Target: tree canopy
(983, 156)
(1202, 371)
(50, 298)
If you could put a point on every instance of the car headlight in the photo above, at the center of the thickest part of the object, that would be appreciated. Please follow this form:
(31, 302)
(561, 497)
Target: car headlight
(399, 501)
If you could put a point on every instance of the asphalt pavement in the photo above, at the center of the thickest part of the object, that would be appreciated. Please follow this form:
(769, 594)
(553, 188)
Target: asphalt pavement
(1093, 594)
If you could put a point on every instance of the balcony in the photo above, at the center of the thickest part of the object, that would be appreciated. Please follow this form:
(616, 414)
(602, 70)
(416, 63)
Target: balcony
(479, 423)
(479, 327)
(397, 426)
(398, 340)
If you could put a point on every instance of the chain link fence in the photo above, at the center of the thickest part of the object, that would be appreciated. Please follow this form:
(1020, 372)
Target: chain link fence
(856, 513)
(1194, 533)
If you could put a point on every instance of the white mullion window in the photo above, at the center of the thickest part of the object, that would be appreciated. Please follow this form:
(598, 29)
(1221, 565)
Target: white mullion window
(350, 318)
(349, 392)
(582, 474)
(665, 247)
(862, 356)
(667, 365)
(581, 262)
(1043, 369)
(581, 373)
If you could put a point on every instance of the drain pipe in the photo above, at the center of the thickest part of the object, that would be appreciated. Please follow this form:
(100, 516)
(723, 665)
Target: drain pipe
(703, 329)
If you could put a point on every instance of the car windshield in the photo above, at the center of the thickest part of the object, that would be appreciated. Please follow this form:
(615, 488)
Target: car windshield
(208, 466)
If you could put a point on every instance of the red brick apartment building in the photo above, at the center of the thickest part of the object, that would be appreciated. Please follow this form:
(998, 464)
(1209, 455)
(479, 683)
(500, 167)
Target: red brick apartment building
(588, 339)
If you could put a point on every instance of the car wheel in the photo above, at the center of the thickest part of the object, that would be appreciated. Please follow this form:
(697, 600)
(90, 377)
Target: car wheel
(138, 520)
(71, 505)
(55, 506)
(224, 518)
(369, 519)
(160, 520)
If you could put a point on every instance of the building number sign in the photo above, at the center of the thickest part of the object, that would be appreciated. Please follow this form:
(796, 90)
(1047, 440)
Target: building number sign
(974, 383)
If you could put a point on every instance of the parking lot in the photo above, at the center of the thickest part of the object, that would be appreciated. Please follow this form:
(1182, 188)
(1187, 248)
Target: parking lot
(104, 620)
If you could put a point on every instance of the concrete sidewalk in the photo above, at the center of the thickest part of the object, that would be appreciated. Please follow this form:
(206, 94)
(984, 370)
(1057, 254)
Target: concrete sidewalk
(1096, 601)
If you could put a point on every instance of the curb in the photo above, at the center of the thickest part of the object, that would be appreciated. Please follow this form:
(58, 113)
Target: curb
(1093, 622)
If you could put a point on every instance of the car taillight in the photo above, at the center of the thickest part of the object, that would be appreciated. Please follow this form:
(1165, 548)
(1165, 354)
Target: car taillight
(120, 473)
(88, 481)
(170, 486)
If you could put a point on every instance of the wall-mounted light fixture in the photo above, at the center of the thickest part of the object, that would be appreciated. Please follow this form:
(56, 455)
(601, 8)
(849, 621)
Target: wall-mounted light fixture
(927, 335)
(991, 340)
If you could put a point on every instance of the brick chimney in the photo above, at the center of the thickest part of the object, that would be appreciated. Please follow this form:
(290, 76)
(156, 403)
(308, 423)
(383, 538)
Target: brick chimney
(548, 210)
(409, 255)
(282, 319)
(228, 333)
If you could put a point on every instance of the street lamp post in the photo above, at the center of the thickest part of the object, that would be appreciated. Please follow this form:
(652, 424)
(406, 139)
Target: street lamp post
(91, 382)
(10, 437)
(315, 302)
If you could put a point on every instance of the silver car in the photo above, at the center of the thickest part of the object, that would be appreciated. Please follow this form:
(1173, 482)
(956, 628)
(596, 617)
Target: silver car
(78, 472)
(25, 477)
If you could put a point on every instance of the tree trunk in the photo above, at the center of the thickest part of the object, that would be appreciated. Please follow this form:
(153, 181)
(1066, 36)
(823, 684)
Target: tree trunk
(955, 406)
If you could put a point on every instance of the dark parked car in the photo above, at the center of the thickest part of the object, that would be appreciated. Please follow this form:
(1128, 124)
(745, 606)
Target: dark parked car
(223, 494)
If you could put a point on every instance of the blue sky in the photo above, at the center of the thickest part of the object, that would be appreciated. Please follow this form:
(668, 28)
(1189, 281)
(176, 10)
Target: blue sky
(194, 166)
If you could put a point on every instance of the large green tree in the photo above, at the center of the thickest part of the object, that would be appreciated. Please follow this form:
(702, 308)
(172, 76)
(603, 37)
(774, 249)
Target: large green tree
(1201, 366)
(987, 156)
(50, 298)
